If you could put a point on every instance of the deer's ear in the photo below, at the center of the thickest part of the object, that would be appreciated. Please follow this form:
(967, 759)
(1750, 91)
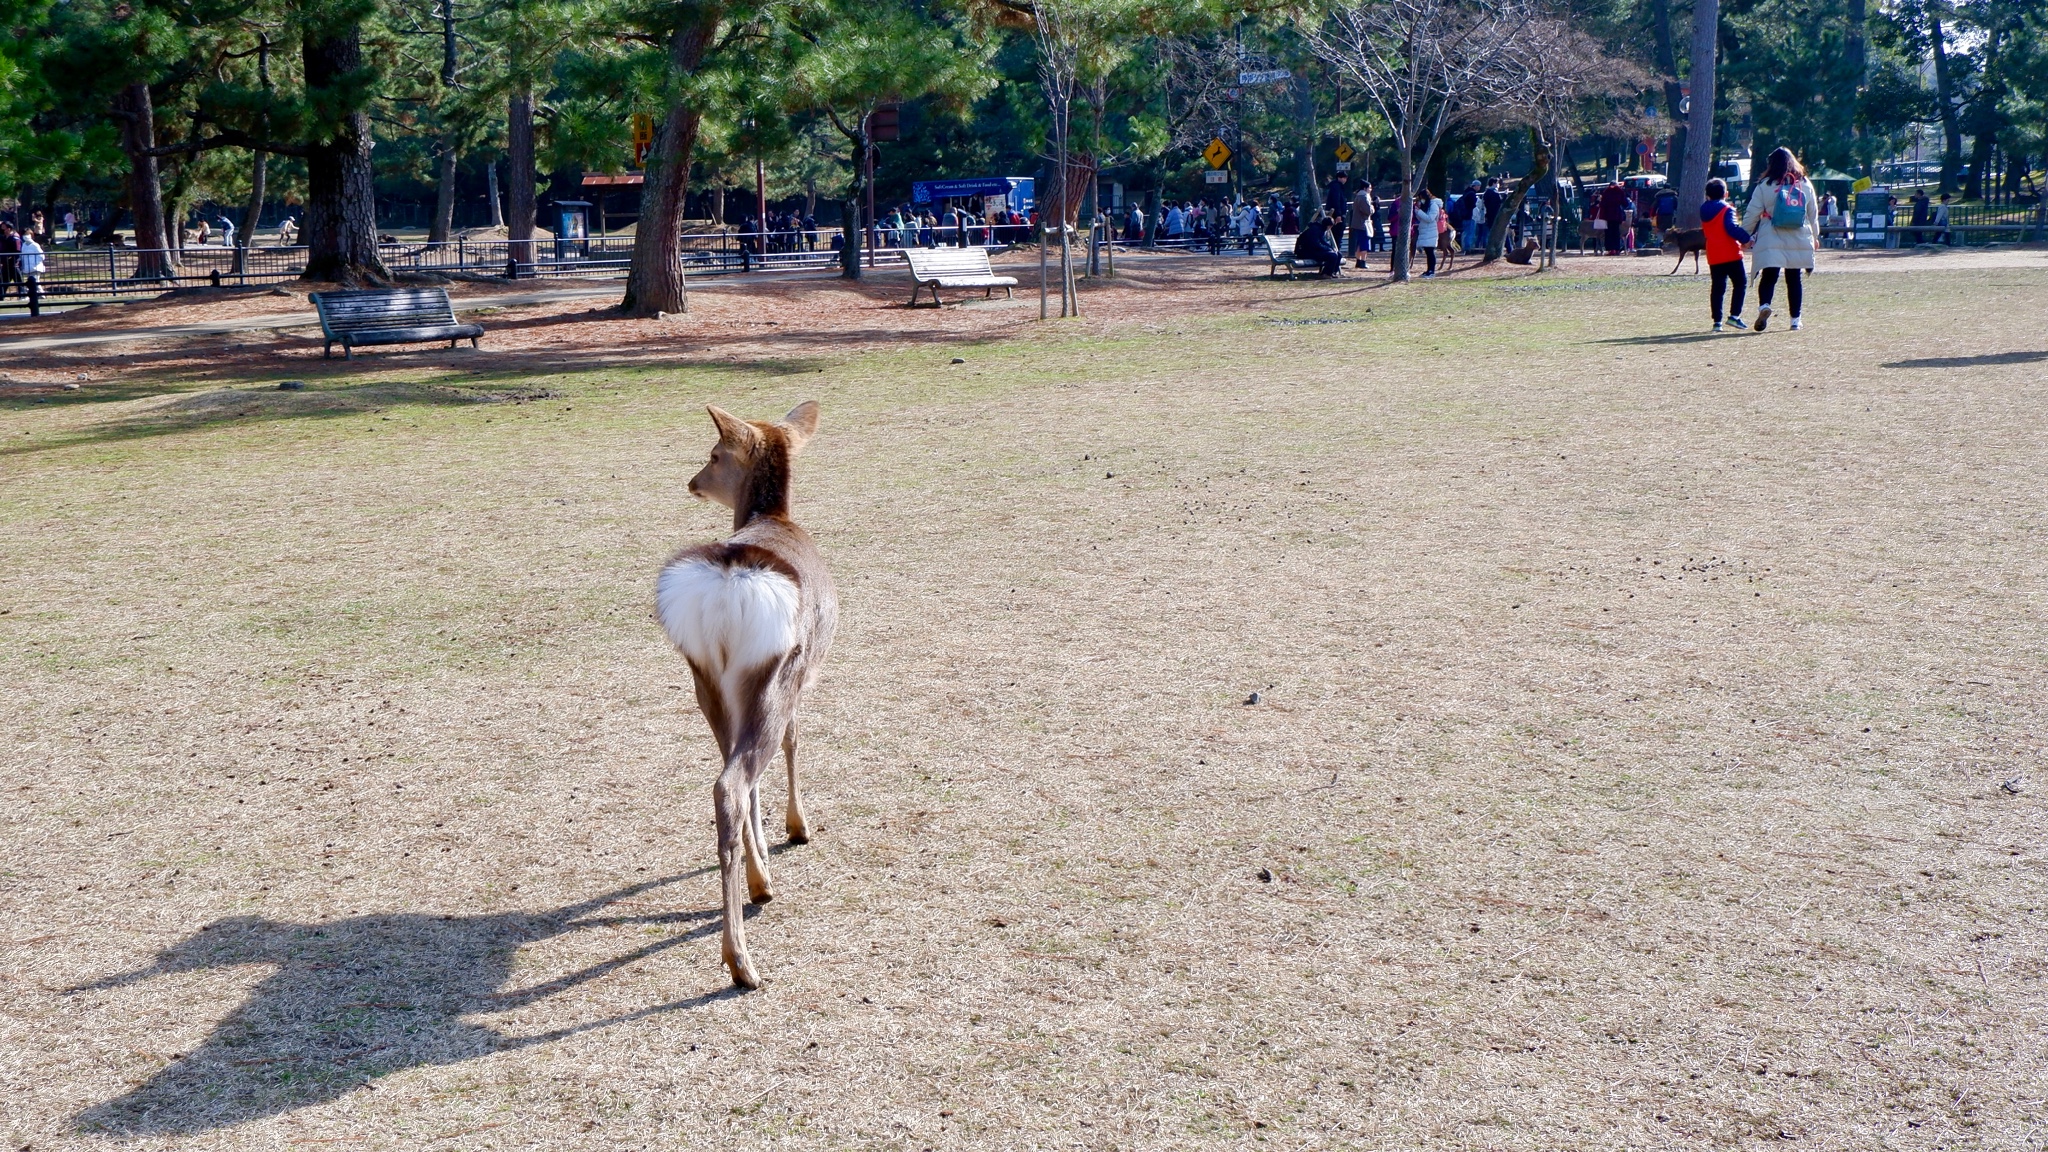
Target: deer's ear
(732, 430)
(802, 423)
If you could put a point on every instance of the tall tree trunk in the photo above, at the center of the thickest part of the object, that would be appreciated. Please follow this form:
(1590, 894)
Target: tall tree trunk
(1984, 120)
(1945, 97)
(1674, 92)
(444, 195)
(259, 169)
(444, 183)
(1539, 168)
(1305, 152)
(1974, 184)
(145, 185)
(1401, 218)
(654, 282)
(519, 176)
(341, 198)
(1699, 128)
(1858, 50)
(48, 236)
(491, 191)
(850, 230)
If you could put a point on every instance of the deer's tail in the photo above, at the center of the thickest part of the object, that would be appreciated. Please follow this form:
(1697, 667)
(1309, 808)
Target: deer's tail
(730, 620)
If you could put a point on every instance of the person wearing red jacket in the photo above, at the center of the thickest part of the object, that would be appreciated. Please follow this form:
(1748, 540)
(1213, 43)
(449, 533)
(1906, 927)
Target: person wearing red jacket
(1725, 238)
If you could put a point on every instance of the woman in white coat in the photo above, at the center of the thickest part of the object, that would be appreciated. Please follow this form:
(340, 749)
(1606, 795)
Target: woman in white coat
(1428, 211)
(1781, 216)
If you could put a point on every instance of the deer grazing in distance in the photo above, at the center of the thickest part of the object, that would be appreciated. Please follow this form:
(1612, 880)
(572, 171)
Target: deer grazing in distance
(753, 615)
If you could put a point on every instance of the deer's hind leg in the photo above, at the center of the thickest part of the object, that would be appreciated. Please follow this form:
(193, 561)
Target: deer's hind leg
(793, 816)
(760, 888)
(729, 799)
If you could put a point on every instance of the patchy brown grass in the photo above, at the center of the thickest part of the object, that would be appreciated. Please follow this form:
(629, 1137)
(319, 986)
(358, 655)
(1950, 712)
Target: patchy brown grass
(1627, 773)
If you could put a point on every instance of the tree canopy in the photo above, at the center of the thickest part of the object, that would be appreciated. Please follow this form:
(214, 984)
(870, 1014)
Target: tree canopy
(148, 109)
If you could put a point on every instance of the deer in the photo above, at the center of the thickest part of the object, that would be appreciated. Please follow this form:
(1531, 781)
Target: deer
(753, 616)
(1687, 242)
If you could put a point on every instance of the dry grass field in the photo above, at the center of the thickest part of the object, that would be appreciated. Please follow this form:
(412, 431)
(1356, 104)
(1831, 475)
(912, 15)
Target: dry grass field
(1636, 711)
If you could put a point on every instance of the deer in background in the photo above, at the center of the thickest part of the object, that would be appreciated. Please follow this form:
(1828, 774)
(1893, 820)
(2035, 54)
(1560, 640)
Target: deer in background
(753, 615)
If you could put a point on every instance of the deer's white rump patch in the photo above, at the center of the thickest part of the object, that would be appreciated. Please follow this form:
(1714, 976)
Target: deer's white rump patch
(726, 620)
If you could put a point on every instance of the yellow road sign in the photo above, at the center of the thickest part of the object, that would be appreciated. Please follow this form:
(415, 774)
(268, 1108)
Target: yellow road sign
(1343, 151)
(1217, 153)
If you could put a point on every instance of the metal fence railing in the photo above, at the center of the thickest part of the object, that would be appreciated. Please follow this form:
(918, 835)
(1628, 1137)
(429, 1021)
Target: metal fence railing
(74, 274)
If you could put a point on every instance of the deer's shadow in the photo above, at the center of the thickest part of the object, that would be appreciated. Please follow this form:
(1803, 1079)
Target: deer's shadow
(352, 1000)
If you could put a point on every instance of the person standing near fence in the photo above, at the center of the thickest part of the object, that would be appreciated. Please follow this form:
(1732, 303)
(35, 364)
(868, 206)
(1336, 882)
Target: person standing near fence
(1780, 215)
(1336, 208)
(10, 257)
(1429, 217)
(32, 272)
(1364, 210)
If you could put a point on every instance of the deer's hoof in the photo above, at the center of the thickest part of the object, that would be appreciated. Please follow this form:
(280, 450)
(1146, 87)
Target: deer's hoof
(799, 836)
(762, 896)
(743, 974)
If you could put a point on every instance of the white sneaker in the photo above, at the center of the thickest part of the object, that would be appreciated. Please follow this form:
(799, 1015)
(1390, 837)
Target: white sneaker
(1763, 317)
(1795, 323)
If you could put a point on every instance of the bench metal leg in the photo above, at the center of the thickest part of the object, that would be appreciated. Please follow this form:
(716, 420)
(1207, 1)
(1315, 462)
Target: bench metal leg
(327, 352)
(473, 342)
(348, 351)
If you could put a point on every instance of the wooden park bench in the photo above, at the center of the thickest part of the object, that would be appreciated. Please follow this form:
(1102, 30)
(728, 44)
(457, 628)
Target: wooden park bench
(1280, 254)
(936, 268)
(389, 316)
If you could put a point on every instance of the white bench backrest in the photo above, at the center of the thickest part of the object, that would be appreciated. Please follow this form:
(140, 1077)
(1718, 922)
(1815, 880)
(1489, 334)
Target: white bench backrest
(373, 308)
(932, 263)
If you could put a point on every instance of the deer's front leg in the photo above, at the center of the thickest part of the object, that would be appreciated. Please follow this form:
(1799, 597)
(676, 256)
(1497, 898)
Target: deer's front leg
(729, 797)
(793, 816)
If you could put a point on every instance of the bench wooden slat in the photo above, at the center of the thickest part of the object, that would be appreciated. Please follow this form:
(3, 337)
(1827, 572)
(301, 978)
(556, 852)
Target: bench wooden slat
(389, 316)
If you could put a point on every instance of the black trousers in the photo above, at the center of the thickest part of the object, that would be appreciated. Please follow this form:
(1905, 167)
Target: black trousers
(1768, 283)
(1730, 275)
(1431, 254)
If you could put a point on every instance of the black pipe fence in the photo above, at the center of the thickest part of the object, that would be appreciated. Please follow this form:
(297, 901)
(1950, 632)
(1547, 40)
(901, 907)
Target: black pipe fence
(71, 274)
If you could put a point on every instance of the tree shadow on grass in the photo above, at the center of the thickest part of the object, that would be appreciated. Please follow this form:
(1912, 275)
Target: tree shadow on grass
(1988, 358)
(198, 410)
(352, 1000)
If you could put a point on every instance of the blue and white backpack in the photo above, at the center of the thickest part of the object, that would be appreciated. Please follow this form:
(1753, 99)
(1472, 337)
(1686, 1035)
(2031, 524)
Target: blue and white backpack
(1788, 210)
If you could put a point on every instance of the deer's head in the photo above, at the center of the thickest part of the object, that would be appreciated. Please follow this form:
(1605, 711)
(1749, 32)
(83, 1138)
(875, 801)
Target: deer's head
(749, 467)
